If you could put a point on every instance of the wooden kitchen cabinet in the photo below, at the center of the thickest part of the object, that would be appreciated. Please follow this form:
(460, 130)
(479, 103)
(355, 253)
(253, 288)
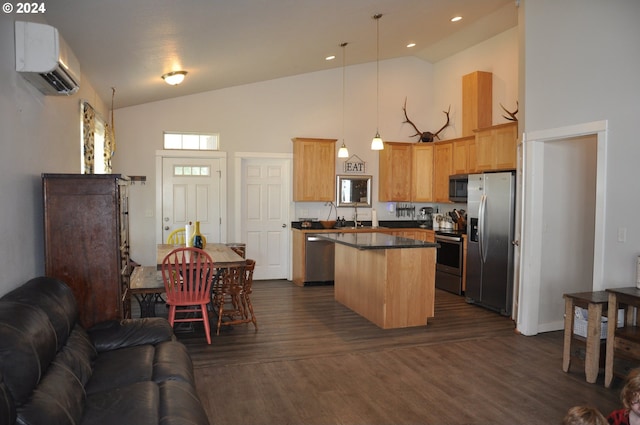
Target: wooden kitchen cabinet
(314, 169)
(422, 172)
(477, 99)
(443, 166)
(464, 155)
(394, 170)
(496, 147)
(86, 241)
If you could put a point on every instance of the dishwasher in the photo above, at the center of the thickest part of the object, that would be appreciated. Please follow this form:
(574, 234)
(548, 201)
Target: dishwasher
(319, 261)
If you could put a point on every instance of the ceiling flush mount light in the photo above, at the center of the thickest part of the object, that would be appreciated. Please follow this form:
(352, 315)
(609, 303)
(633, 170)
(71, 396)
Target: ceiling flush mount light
(456, 18)
(343, 152)
(376, 143)
(174, 78)
(330, 58)
(411, 45)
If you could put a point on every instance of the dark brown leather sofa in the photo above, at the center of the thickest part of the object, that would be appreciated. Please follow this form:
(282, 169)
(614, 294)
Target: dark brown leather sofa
(52, 371)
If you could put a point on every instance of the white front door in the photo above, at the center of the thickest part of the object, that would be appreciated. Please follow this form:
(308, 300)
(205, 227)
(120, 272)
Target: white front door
(264, 207)
(190, 193)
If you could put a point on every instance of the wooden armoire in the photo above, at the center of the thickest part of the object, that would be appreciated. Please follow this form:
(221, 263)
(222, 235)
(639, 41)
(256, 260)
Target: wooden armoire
(86, 240)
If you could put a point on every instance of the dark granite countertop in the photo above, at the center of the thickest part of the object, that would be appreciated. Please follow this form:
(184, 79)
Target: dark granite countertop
(363, 240)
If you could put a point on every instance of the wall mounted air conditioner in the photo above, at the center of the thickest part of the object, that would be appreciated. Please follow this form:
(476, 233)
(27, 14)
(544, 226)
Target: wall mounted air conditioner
(45, 60)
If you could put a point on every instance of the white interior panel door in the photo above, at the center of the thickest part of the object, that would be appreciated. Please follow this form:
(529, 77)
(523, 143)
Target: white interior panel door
(191, 192)
(265, 216)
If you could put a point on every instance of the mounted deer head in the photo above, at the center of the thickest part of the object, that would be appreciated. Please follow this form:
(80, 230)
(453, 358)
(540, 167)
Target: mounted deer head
(512, 115)
(425, 137)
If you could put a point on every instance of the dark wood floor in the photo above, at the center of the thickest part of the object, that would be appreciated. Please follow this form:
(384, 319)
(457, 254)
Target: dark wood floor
(313, 361)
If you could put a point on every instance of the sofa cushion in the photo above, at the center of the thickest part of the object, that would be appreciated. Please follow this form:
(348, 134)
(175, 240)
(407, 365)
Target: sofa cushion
(137, 403)
(119, 368)
(180, 404)
(27, 347)
(54, 298)
(7, 408)
(78, 355)
(172, 362)
(58, 399)
(114, 334)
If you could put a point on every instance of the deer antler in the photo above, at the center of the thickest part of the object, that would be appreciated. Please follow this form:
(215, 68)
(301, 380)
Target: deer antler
(512, 115)
(445, 124)
(407, 120)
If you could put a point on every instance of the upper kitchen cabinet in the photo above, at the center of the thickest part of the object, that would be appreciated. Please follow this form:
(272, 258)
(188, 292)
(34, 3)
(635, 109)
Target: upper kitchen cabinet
(394, 169)
(422, 172)
(464, 155)
(496, 147)
(443, 166)
(477, 98)
(314, 169)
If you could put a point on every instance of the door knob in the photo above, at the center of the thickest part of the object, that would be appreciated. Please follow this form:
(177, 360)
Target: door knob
(284, 225)
(166, 227)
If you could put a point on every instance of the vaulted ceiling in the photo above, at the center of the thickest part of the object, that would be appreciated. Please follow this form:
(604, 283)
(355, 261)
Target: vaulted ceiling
(129, 44)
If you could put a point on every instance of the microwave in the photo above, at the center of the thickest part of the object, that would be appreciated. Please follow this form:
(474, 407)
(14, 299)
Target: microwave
(458, 188)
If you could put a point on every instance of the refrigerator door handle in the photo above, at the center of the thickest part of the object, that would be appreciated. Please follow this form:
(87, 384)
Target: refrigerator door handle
(481, 221)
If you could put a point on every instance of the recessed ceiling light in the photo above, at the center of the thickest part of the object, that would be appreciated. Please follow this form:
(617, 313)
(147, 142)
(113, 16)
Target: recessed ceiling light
(411, 45)
(456, 18)
(330, 58)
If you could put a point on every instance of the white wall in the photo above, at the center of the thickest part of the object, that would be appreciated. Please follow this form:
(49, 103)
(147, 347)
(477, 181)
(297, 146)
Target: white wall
(37, 134)
(498, 55)
(581, 66)
(263, 117)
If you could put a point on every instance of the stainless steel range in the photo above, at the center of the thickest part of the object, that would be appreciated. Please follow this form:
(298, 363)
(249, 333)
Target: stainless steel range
(449, 261)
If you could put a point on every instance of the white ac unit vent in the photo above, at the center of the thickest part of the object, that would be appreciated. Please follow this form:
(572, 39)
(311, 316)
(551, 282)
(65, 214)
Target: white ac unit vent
(45, 60)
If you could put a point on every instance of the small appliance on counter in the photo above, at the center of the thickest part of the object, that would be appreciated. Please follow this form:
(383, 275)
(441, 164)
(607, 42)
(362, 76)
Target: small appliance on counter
(425, 218)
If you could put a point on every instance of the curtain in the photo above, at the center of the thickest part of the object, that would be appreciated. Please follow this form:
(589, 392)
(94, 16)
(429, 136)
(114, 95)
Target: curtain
(109, 147)
(98, 138)
(88, 137)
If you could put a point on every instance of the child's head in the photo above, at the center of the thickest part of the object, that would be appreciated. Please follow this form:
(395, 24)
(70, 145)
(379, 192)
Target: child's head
(631, 391)
(582, 415)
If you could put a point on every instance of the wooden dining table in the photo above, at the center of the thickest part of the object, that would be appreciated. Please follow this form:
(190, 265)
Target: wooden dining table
(222, 255)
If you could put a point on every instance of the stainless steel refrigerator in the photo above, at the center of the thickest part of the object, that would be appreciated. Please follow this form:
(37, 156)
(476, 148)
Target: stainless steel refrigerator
(490, 221)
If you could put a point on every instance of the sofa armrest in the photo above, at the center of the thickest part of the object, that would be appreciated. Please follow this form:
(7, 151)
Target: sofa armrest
(114, 334)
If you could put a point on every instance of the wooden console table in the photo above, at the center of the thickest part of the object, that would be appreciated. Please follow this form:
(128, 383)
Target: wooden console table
(594, 303)
(623, 344)
(146, 287)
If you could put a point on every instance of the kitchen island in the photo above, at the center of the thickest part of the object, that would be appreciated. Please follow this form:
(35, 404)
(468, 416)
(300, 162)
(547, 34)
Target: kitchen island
(389, 280)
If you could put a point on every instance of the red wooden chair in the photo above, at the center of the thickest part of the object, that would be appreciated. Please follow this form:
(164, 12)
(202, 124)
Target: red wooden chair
(188, 274)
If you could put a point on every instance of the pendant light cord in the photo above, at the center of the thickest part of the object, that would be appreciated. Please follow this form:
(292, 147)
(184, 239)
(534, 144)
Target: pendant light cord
(377, 18)
(344, 60)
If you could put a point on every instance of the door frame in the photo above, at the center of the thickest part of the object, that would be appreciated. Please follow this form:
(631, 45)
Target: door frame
(239, 157)
(164, 153)
(532, 213)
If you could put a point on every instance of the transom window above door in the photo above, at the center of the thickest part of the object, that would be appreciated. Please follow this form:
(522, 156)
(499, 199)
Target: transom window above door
(192, 141)
(191, 170)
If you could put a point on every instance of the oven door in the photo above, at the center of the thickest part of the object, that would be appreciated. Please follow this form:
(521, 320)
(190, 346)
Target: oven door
(449, 264)
(449, 258)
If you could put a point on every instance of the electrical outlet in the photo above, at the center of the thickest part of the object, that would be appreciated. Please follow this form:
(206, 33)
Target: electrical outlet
(622, 234)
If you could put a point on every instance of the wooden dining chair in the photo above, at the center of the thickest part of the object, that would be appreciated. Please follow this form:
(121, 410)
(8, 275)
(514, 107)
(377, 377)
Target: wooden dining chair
(231, 298)
(188, 274)
(178, 237)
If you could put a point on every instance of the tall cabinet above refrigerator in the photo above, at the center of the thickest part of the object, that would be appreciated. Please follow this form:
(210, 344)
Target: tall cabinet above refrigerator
(491, 217)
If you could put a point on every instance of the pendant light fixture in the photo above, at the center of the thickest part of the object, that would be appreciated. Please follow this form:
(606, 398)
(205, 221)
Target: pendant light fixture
(343, 152)
(376, 143)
